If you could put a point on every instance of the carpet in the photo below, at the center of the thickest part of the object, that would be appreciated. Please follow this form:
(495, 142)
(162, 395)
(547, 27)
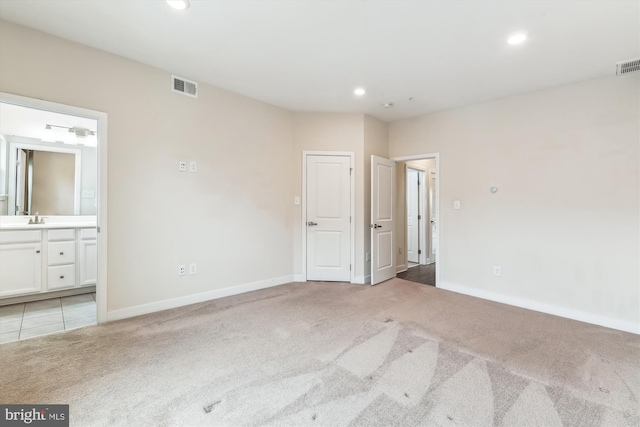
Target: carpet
(333, 354)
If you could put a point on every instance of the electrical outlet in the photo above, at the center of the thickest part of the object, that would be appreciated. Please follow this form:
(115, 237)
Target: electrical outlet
(400, 250)
(193, 268)
(497, 271)
(182, 270)
(182, 166)
(193, 166)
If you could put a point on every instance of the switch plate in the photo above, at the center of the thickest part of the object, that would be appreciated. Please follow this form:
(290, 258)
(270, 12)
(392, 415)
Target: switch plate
(497, 271)
(193, 268)
(296, 200)
(456, 204)
(182, 270)
(193, 166)
(182, 166)
(367, 256)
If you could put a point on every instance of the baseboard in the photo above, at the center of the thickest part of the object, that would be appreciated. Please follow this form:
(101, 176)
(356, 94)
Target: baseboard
(299, 278)
(196, 298)
(568, 313)
(400, 268)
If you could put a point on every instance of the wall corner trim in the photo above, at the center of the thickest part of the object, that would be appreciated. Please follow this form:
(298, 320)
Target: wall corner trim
(153, 307)
(555, 310)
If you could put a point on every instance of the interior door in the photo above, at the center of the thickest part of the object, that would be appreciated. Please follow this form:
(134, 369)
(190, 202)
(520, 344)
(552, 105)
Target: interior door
(432, 213)
(383, 265)
(413, 211)
(328, 218)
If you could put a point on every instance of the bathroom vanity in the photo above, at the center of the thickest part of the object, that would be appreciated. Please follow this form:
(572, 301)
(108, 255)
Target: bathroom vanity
(39, 259)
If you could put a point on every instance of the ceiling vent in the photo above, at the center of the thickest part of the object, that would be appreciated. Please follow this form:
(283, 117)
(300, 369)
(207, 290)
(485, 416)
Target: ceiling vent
(184, 86)
(626, 67)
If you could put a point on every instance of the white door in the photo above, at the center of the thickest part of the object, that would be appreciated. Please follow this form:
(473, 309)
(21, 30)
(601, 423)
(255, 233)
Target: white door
(383, 265)
(432, 213)
(328, 219)
(413, 211)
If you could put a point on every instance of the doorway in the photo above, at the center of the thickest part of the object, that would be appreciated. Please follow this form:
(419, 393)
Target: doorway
(70, 257)
(418, 231)
(328, 209)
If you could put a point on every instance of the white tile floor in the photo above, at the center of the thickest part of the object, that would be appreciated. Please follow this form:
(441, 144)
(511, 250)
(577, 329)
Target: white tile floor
(31, 319)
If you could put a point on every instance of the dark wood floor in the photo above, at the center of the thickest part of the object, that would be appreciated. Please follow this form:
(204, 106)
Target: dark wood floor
(425, 274)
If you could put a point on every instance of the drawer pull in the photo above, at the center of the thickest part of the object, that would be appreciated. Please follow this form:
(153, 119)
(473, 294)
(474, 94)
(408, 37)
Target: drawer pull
(38, 251)
(62, 277)
(61, 253)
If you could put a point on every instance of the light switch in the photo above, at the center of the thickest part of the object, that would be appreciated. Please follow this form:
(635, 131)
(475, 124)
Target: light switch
(456, 204)
(296, 200)
(193, 167)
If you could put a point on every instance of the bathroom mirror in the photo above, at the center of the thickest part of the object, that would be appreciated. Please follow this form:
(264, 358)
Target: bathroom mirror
(47, 180)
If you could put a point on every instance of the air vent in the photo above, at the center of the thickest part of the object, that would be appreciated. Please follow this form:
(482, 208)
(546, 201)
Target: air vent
(184, 86)
(626, 67)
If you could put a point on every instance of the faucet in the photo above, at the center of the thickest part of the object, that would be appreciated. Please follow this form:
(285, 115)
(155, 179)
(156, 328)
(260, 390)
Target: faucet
(36, 221)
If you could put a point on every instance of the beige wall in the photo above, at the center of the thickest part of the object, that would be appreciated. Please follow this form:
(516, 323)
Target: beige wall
(53, 191)
(229, 217)
(564, 223)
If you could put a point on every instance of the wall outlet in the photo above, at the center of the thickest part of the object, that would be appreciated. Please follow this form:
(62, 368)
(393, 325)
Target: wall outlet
(193, 166)
(182, 166)
(400, 250)
(497, 271)
(193, 268)
(456, 204)
(182, 270)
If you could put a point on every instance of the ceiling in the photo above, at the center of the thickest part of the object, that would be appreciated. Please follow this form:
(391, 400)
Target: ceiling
(311, 55)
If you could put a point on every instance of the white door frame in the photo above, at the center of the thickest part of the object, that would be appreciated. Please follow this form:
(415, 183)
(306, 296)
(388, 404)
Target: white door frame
(303, 228)
(435, 156)
(101, 284)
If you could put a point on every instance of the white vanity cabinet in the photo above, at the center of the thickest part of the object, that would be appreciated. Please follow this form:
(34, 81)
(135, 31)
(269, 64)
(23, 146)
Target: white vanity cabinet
(20, 262)
(46, 260)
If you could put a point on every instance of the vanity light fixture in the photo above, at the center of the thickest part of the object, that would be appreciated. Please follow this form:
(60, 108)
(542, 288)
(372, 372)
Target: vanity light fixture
(516, 38)
(359, 91)
(179, 4)
(79, 132)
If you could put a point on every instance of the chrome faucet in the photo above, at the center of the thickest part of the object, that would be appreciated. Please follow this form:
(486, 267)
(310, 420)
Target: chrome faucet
(36, 220)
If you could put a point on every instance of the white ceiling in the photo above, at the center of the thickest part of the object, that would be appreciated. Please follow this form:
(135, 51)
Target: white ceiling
(310, 55)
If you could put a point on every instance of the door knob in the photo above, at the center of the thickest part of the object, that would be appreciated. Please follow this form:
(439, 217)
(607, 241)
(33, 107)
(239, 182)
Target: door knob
(311, 223)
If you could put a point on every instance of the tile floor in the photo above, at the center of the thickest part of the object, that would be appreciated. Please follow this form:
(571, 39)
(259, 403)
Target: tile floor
(31, 319)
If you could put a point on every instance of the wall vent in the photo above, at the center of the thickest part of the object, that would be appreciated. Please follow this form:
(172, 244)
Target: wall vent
(626, 67)
(184, 86)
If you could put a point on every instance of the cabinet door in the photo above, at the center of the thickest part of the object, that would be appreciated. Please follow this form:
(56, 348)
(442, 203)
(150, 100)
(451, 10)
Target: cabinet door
(88, 260)
(20, 269)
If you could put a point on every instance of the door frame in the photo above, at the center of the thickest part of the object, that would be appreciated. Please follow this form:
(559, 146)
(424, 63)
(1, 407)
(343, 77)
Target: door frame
(435, 156)
(101, 214)
(352, 202)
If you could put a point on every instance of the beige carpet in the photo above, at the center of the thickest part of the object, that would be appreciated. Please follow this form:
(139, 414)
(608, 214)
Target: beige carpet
(334, 354)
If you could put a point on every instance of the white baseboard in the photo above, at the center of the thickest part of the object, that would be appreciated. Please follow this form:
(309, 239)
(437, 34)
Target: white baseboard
(196, 298)
(400, 268)
(299, 278)
(568, 313)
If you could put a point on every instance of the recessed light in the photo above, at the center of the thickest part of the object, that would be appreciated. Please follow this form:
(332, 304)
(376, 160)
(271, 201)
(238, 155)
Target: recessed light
(359, 91)
(517, 38)
(179, 4)
(387, 105)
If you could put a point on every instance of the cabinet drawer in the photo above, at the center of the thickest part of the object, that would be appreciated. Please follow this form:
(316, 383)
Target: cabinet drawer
(65, 234)
(62, 253)
(22, 236)
(63, 276)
